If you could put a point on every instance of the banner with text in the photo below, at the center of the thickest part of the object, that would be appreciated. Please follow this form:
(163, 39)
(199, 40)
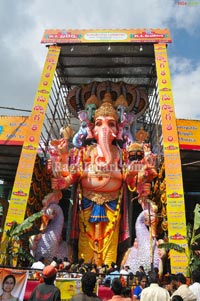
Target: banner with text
(173, 172)
(20, 192)
(13, 129)
(188, 134)
(142, 35)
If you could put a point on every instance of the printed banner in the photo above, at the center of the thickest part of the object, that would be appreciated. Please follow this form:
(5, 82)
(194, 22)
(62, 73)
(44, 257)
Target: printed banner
(13, 284)
(20, 192)
(173, 172)
(188, 134)
(107, 35)
(13, 129)
(68, 287)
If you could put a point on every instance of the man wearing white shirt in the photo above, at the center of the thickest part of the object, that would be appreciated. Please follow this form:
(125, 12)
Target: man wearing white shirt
(154, 292)
(39, 265)
(195, 287)
(125, 272)
(183, 289)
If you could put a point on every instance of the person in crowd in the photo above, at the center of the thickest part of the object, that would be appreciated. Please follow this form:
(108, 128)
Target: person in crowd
(60, 264)
(177, 298)
(104, 269)
(195, 286)
(47, 290)
(105, 290)
(8, 285)
(88, 282)
(107, 282)
(100, 279)
(113, 274)
(140, 272)
(131, 281)
(94, 268)
(123, 280)
(170, 283)
(112, 268)
(117, 290)
(142, 281)
(127, 293)
(39, 265)
(125, 272)
(81, 267)
(154, 292)
(183, 289)
(156, 270)
(66, 262)
(54, 262)
(141, 269)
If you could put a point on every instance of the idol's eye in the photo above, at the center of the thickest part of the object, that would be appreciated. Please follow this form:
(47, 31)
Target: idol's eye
(98, 123)
(112, 124)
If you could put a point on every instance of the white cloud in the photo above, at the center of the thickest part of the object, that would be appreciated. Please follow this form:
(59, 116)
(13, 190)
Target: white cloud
(185, 84)
(115, 14)
(23, 23)
(180, 65)
(187, 16)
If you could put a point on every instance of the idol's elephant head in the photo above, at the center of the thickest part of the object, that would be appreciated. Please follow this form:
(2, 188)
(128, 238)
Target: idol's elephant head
(105, 131)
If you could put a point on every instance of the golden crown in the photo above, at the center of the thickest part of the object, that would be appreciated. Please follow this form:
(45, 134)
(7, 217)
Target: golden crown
(106, 109)
(135, 147)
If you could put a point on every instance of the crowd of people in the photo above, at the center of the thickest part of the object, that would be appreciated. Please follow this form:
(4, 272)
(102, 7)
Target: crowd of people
(121, 284)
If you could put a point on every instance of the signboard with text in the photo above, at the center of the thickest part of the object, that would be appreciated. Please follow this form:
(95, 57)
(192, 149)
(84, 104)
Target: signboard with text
(142, 35)
(173, 172)
(13, 129)
(188, 134)
(22, 183)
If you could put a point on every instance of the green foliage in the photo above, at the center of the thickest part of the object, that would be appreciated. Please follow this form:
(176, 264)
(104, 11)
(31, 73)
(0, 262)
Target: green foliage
(194, 241)
(17, 230)
(15, 237)
(171, 246)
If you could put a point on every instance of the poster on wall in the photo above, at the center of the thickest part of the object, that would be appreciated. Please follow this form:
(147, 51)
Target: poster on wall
(12, 284)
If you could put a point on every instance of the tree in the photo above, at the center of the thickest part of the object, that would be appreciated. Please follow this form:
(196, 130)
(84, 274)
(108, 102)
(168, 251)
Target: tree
(15, 236)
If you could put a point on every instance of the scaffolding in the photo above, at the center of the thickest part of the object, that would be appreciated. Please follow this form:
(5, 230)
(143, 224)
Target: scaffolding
(81, 64)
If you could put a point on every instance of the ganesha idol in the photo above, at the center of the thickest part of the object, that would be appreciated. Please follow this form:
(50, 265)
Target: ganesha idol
(102, 172)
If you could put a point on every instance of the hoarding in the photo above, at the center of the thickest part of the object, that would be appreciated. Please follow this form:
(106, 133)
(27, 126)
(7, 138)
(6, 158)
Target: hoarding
(13, 129)
(142, 35)
(173, 172)
(188, 134)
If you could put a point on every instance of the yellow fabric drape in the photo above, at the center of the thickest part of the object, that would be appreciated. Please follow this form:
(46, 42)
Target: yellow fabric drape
(107, 246)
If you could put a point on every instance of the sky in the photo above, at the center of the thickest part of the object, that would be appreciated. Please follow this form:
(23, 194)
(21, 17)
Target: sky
(23, 22)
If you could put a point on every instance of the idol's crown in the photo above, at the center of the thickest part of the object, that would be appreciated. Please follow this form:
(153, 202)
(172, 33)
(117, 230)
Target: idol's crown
(106, 109)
